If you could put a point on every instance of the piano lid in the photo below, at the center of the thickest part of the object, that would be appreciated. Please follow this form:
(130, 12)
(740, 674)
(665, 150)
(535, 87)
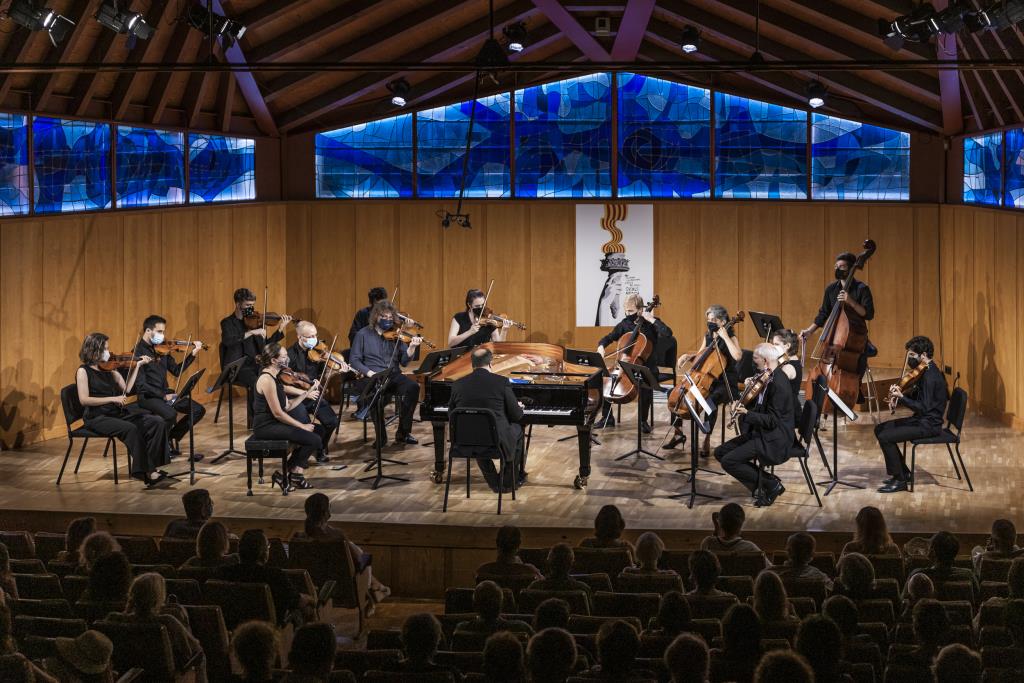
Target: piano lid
(534, 362)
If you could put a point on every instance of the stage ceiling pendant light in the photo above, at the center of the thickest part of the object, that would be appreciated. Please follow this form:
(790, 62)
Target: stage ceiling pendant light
(125, 21)
(517, 36)
(28, 14)
(816, 93)
(213, 24)
(690, 40)
(997, 15)
(918, 27)
(399, 89)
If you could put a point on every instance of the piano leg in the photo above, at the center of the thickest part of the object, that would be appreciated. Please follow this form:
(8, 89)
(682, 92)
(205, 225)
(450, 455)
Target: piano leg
(583, 435)
(437, 474)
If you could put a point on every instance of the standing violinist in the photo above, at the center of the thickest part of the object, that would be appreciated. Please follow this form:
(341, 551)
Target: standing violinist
(299, 360)
(372, 353)
(154, 393)
(362, 317)
(652, 328)
(927, 399)
(238, 341)
(857, 297)
(724, 388)
(789, 346)
(766, 432)
(466, 330)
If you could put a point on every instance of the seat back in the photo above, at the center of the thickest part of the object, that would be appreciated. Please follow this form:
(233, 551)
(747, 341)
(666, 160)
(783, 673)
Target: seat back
(184, 591)
(808, 421)
(16, 668)
(361, 661)
(709, 607)
(577, 600)
(146, 646)
(741, 563)
(398, 677)
(583, 623)
(20, 545)
(460, 601)
(200, 574)
(97, 610)
(58, 608)
(610, 561)
(643, 606)
(475, 429)
(515, 583)
(629, 582)
(207, 624)
(991, 569)
(74, 586)
(38, 586)
(598, 581)
(139, 549)
(241, 602)
(818, 392)
(806, 588)
(28, 567)
(71, 406)
(956, 409)
(740, 586)
(47, 627)
(327, 561)
(176, 551)
(48, 544)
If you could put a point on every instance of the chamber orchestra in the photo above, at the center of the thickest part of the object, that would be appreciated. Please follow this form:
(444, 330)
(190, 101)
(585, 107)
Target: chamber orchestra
(389, 364)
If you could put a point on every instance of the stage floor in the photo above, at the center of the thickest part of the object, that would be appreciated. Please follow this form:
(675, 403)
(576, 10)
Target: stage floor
(642, 488)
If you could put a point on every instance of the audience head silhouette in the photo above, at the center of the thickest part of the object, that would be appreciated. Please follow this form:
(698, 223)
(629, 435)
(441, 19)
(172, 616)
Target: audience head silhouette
(551, 655)
(253, 547)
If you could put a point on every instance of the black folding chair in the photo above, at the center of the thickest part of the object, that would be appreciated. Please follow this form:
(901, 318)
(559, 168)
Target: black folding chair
(801, 449)
(474, 436)
(73, 412)
(956, 411)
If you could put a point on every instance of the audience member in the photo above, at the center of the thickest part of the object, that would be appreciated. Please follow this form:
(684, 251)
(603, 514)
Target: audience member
(8, 586)
(85, 659)
(254, 645)
(212, 546)
(146, 601)
(918, 587)
(109, 580)
(741, 646)
(856, 578)
(687, 659)
(508, 562)
(799, 554)
(704, 572)
(488, 599)
(551, 613)
(311, 657)
(931, 631)
(1002, 544)
(253, 551)
(560, 561)
(820, 642)
(421, 635)
(8, 647)
(198, 510)
(728, 523)
(608, 527)
(1014, 590)
(770, 600)
(503, 659)
(78, 530)
(957, 664)
(783, 666)
(551, 656)
(674, 617)
(649, 548)
(942, 551)
(618, 645)
(872, 535)
(94, 545)
(1013, 619)
(843, 611)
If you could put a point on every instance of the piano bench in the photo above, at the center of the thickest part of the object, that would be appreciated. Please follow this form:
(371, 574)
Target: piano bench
(264, 448)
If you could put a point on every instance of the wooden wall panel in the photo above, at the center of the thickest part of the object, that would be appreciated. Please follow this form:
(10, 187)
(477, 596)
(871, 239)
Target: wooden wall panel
(421, 277)
(374, 257)
(299, 249)
(805, 268)
(676, 271)
(552, 315)
(1000, 375)
(758, 257)
(464, 255)
(508, 261)
(926, 260)
(332, 267)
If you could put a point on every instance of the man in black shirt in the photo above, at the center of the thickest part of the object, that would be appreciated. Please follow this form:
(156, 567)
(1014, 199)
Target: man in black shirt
(652, 328)
(362, 317)
(253, 551)
(927, 399)
(237, 341)
(298, 360)
(151, 384)
(857, 297)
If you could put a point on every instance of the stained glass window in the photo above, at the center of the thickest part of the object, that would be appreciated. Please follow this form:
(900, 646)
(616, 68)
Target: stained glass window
(13, 164)
(72, 165)
(664, 138)
(441, 149)
(564, 138)
(371, 159)
(1014, 192)
(150, 168)
(983, 159)
(852, 160)
(221, 168)
(760, 149)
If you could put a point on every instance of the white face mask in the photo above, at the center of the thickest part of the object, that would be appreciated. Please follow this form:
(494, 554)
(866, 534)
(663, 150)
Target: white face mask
(157, 338)
(309, 343)
(105, 356)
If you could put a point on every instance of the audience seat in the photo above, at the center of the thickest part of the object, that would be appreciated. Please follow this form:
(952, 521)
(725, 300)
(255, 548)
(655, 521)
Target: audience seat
(740, 586)
(648, 583)
(643, 606)
(207, 624)
(514, 583)
(875, 610)
(240, 602)
(990, 570)
(814, 589)
(176, 551)
(61, 569)
(460, 600)
(597, 582)
(146, 646)
(706, 607)
(361, 661)
(955, 591)
(578, 601)
(47, 627)
(57, 608)
(610, 561)
(32, 566)
(584, 624)
(139, 549)
(20, 545)
(889, 567)
(741, 564)
(38, 586)
(74, 586)
(397, 677)
(185, 591)
(465, 662)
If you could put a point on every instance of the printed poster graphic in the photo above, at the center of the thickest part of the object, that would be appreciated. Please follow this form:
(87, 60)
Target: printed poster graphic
(614, 258)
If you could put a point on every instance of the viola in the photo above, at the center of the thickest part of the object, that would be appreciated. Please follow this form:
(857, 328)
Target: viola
(907, 381)
(296, 379)
(254, 320)
(490, 319)
(119, 361)
(635, 348)
(704, 370)
(334, 360)
(173, 345)
(751, 391)
(405, 337)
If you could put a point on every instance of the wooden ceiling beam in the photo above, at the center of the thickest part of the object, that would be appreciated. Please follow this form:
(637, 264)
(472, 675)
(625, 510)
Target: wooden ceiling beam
(313, 30)
(56, 54)
(999, 79)
(16, 51)
(247, 83)
(225, 99)
(84, 87)
(144, 51)
(159, 90)
(632, 29)
(837, 14)
(996, 111)
(979, 123)
(567, 23)
(264, 13)
(949, 86)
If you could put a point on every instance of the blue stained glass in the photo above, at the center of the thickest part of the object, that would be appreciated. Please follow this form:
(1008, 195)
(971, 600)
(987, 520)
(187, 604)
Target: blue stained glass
(150, 167)
(221, 168)
(564, 138)
(1014, 193)
(853, 160)
(983, 159)
(72, 165)
(760, 149)
(441, 149)
(371, 159)
(13, 164)
(664, 138)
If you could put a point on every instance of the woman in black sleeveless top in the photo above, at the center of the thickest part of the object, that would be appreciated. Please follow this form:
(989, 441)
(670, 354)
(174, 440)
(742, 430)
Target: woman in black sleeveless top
(271, 419)
(464, 332)
(104, 395)
(788, 343)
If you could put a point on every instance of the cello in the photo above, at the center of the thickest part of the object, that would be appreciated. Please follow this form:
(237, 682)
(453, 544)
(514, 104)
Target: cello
(637, 349)
(843, 340)
(704, 371)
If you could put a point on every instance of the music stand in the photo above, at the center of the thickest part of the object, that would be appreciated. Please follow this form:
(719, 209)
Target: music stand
(186, 393)
(698, 425)
(642, 378)
(372, 400)
(766, 324)
(837, 405)
(228, 375)
(435, 360)
(591, 359)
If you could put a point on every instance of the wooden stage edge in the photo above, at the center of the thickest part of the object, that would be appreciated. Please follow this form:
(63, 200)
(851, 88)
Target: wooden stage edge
(418, 550)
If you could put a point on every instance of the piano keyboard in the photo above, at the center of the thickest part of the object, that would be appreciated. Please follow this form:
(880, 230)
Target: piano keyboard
(540, 412)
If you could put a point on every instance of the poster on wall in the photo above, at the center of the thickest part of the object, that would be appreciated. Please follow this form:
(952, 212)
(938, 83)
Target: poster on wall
(614, 258)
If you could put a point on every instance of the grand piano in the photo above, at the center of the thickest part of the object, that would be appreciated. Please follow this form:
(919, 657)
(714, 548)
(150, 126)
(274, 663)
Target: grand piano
(552, 390)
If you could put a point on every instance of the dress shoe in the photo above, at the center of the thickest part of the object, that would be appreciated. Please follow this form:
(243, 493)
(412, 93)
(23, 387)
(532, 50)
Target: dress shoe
(437, 476)
(645, 427)
(406, 439)
(677, 440)
(774, 490)
(898, 485)
(602, 422)
(321, 457)
(580, 482)
(520, 480)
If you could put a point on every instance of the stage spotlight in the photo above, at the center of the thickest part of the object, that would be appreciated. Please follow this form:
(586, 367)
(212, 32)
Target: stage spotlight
(918, 27)
(816, 94)
(123, 21)
(516, 35)
(26, 13)
(399, 89)
(211, 23)
(461, 219)
(996, 16)
(690, 41)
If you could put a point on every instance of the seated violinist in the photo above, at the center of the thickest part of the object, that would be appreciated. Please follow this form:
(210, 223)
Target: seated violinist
(299, 360)
(151, 386)
(238, 341)
(362, 316)
(466, 330)
(104, 395)
(373, 353)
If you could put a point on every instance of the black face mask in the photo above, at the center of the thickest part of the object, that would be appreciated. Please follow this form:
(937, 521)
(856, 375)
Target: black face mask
(712, 327)
(631, 317)
(913, 362)
(841, 273)
(478, 310)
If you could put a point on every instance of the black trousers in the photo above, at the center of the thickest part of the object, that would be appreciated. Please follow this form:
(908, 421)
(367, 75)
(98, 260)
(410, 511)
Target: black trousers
(143, 434)
(894, 432)
(175, 428)
(490, 472)
(306, 443)
(326, 416)
(736, 456)
(407, 392)
(720, 394)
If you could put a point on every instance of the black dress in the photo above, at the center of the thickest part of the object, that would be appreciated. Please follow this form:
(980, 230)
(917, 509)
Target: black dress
(796, 381)
(720, 393)
(144, 434)
(266, 426)
(481, 336)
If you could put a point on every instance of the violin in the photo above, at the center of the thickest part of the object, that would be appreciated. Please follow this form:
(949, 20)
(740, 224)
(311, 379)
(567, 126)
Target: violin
(334, 360)
(119, 361)
(408, 322)
(751, 391)
(172, 345)
(405, 337)
(637, 349)
(490, 319)
(704, 370)
(294, 378)
(254, 320)
(908, 380)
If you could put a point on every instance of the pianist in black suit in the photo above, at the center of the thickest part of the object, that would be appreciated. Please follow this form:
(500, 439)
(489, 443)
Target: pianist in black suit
(484, 389)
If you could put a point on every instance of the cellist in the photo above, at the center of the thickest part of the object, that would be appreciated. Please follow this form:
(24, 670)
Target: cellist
(298, 360)
(651, 327)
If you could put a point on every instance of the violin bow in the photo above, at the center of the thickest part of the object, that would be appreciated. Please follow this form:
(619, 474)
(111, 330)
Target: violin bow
(488, 294)
(394, 295)
(181, 371)
(135, 348)
(325, 376)
(266, 296)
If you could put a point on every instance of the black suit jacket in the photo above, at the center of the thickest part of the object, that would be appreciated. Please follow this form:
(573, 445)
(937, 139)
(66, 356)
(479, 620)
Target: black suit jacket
(484, 389)
(773, 419)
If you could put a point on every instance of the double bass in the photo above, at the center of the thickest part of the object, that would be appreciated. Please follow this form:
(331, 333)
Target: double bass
(704, 371)
(843, 340)
(636, 348)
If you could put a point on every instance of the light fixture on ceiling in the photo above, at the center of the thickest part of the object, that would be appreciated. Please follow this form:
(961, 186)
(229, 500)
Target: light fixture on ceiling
(918, 27)
(690, 40)
(213, 24)
(816, 93)
(399, 89)
(516, 35)
(997, 15)
(35, 18)
(125, 21)
(461, 219)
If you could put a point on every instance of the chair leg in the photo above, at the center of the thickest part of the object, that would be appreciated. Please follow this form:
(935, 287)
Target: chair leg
(953, 460)
(67, 454)
(248, 473)
(220, 399)
(501, 481)
(515, 474)
(284, 471)
(114, 452)
(81, 452)
(913, 465)
(448, 483)
(105, 448)
(467, 476)
(810, 480)
(970, 486)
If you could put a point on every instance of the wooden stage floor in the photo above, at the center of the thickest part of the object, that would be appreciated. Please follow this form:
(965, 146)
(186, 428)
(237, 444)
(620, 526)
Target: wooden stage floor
(641, 488)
